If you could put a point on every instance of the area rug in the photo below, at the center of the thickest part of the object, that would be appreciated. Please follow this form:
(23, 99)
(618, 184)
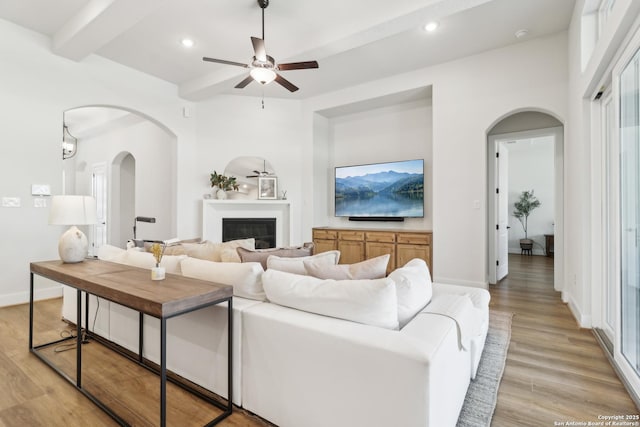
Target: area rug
(480, 401)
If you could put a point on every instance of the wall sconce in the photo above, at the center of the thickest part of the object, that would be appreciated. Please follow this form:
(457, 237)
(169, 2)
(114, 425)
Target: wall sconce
(69, 143)
(141, 219)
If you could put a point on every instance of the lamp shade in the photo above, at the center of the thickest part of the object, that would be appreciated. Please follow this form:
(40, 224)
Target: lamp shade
(72, 210)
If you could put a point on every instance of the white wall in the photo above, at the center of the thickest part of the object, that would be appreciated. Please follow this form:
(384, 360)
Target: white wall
(397, 132)
(153, 150)
(235, 126)
(470, 95)
(37, 87)
(531, 167)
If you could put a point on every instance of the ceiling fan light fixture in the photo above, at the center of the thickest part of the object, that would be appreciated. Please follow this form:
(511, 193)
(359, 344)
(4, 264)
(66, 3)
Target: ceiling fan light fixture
(263, 75)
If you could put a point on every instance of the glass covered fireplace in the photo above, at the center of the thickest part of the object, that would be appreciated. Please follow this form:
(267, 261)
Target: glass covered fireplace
(261, 229)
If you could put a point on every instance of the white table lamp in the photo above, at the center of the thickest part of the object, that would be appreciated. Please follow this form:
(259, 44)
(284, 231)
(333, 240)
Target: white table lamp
(73, 210)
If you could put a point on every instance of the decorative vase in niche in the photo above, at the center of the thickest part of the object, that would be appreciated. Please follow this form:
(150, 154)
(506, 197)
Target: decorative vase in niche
(157, 273)
(221, 194)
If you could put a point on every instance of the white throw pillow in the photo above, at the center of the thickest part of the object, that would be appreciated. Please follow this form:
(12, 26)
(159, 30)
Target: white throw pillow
(246, 278)
(296, 265)
(171, 263)
(414, 289)
(374, 268)
(372, 302)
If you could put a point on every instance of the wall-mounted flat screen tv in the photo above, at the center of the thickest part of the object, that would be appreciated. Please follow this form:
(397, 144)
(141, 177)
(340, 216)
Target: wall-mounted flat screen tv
(380, 190)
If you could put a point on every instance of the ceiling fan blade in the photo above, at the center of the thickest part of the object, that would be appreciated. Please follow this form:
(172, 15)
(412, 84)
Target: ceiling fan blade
(285, 83)
(245, 82)
(258, 48)
(222, 61)
(298, 65)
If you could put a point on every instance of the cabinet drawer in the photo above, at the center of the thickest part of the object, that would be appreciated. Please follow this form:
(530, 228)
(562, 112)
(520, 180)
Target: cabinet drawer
(380, 236)
(351, 235)
(414, 238)
(325, 234)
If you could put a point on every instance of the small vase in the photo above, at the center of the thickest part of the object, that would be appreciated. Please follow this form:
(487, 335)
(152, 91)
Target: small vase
(221, 194)
(157, 273)
(214, 192)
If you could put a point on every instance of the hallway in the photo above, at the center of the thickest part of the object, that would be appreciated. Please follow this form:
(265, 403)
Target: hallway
(555, 371)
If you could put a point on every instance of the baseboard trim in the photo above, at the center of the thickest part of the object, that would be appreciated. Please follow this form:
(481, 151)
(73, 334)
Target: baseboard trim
(584, 321)
(23, 297)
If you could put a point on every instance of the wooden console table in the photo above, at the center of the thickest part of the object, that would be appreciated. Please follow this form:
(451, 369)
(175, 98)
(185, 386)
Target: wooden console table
(358, 244)
(132, 287)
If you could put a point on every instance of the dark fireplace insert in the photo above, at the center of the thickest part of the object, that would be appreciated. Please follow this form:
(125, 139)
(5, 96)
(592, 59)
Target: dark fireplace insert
(261, 229)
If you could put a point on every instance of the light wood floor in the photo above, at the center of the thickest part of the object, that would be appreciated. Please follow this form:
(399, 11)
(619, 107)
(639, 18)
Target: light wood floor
(555, 371)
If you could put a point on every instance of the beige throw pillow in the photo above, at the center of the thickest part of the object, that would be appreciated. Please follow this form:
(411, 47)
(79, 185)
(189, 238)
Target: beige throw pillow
(296, 265)
(374, 268)
(261, 255)
(210, 251)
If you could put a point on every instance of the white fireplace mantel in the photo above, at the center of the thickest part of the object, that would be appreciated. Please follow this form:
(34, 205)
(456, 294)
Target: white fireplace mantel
(213, 211)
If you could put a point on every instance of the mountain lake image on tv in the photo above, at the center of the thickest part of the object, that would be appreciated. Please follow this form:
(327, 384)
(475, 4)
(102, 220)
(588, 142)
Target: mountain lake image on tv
(386, 190)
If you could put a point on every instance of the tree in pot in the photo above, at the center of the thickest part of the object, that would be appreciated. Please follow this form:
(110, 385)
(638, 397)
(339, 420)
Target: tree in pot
(526, 204)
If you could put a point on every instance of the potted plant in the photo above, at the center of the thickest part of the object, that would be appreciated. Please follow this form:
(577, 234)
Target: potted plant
(223, 184)
(526, 204)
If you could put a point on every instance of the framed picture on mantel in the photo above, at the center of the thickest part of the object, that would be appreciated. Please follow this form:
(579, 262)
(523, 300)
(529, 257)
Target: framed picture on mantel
(267, 188)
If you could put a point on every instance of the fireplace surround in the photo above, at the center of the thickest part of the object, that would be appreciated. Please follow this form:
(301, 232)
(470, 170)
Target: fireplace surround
(214, 211)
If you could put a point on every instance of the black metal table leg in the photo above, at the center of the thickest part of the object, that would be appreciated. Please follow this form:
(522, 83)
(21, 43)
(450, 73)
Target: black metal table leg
(79, 339)
(31, 312)
(163, 372)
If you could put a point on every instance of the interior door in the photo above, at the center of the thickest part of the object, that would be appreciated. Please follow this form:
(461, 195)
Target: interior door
(502, 269)
(99, 188)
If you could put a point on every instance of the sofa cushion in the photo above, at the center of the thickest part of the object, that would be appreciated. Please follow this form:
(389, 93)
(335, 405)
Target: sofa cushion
(374, 268)
(142, 259)
(246, 278)
(372, 302)
(413, 286)
(138, 258)
(296, 265)
(111, 253)
(212, 251)
(261, 255)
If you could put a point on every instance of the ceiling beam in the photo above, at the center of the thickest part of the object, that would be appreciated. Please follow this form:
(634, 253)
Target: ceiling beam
(99, 22)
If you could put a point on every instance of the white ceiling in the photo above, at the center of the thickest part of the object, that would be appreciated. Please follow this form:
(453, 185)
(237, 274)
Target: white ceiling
(353, 40)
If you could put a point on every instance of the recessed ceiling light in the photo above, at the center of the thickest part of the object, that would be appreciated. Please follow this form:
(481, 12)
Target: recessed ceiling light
(521, 33)
(431, 26)
(187, 42)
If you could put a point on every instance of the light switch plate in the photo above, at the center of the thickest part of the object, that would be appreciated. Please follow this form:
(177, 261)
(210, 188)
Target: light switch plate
(40, 190)
(39, 202)
(11, 202)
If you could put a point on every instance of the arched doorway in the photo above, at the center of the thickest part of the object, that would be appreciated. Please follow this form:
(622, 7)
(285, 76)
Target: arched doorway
(136, 156)
(525, 152)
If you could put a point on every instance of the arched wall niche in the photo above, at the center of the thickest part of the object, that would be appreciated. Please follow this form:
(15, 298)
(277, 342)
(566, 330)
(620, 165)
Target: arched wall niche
(137, 154)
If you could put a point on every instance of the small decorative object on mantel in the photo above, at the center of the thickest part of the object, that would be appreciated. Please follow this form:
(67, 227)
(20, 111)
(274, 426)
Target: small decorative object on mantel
(157, 272)
(221, 184)
(284, 195)
(526, 204)
(267, 188)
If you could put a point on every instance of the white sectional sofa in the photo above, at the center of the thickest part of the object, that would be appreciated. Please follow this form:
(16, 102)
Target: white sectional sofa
(298, 368)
